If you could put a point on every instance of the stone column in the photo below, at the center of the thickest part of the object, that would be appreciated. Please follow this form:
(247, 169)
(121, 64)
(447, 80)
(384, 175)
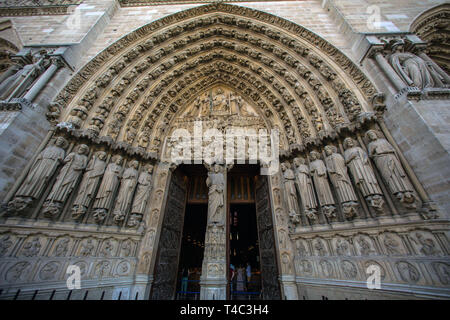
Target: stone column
(213, 281)
(44, 78)
(388, 71)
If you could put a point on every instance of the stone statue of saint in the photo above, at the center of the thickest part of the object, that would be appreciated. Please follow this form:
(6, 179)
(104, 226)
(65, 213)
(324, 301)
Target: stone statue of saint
(305, 188)
(358, 162)
(142, 193)
(126, 191)
(67, 179)
(414, 70)
(107, 190)
(318, 173)
(291, 192)
(195, 111)
(386, 160)
(205, 105)
(341, 181)
(220, 102)
(216, 185)
(89, 184)
(39, 176)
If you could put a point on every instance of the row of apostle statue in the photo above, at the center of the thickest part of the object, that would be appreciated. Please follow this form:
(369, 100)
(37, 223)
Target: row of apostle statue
(109, 188)
(345, 172)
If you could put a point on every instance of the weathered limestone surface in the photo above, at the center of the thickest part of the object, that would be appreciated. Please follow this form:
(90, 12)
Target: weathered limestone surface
(116, 82)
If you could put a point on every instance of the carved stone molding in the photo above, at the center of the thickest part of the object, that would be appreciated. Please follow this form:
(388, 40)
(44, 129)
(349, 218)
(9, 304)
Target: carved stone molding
(36, 8)
(433, 26)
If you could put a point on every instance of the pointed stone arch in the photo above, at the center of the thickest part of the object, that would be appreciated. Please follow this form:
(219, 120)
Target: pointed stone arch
(310, 88)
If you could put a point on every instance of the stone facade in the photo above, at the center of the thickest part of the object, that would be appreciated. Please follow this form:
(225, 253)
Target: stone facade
(93, 92)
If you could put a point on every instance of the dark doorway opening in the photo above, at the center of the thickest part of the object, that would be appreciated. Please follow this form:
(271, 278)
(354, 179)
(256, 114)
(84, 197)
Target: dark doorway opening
(244, 252)
(194, 230)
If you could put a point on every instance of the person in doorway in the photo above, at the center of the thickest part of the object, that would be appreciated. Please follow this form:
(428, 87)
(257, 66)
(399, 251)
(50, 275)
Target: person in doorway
(184, 280)
(240, 279)
(232, 275)
(248, 271)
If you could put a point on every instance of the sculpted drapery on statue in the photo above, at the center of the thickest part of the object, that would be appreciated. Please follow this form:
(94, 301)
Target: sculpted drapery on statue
(66, 181)
(318, 172)
(305, 188)
(105, 195)
(216, 184)
(39, 176)
(141, 197)
(89, 184)
(363, 175)
(339, 178)
(415, 71)
(386, 160)
(125, 195)
(143, 190)
(291, 193)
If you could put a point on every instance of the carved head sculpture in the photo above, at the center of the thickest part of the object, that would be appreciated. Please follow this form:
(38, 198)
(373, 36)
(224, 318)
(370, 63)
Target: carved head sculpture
(349, 143)
(117, 160)
(149, 168)
(372, 135)
(330, 149)
(134, 164)
(217, 168)
(61, 142)
(314, 155)
(83, 149)
(299, 161)
(101, 155)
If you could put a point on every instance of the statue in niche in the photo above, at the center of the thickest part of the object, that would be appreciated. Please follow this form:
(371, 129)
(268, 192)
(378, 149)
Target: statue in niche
(337, 170)
(125, 195)
(141, 197)
(15, 85)
(305, 188)
(386, 160)
(358, 162)
(291, 193)
(195, 110)
(89, 184)
(106, 192)
(414, 70)
(318, 173)
(216, 185)
(205, 105)
(67, 179)
(39, 175)
(220, 102)
(392, 245)
(77, 115)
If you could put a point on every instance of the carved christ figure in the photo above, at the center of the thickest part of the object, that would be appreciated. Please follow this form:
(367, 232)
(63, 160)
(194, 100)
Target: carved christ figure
(106, 192)
(318, 172)
(358, 162)
(216, 185)
(220, 102)
(339, 178)
(291, 193)
(386, 160)
(125, 195)
(305, 188)
(40, 174)
(74, 164)
(89, 184)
